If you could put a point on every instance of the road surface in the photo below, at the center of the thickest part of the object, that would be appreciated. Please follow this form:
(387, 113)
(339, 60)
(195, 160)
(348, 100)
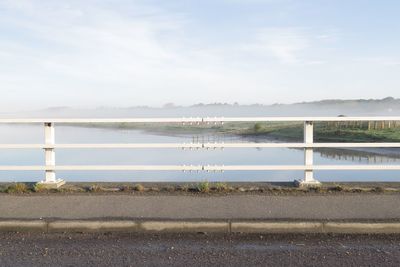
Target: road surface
(92, 206)
(27, 249)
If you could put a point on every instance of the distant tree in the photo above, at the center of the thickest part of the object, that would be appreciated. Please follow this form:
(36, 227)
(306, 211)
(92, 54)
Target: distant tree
(257, 127)
(169, 105)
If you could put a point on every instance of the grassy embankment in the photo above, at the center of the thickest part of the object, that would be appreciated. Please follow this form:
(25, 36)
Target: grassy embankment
(323, 132)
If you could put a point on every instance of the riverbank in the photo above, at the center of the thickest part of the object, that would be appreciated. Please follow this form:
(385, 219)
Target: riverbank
(280, 131)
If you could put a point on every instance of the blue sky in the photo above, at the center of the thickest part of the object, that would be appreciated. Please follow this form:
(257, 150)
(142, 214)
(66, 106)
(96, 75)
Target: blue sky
(124, 53)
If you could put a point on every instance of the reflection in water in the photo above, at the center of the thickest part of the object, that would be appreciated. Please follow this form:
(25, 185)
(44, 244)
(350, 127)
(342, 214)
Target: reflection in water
(365, 155)
(369, 156)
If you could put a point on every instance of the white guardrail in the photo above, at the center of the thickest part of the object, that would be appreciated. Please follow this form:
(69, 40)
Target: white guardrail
(308, 167)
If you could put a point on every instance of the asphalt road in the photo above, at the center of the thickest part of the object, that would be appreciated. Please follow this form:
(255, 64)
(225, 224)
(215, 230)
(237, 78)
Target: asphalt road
(27, 249)
(325, 207)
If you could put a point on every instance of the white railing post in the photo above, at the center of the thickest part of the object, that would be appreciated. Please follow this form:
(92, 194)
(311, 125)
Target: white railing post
(308, 179)
(50, 159)
(50, 179)
(308, 152)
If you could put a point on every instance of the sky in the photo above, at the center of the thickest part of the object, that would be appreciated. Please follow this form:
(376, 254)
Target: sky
(121, 53)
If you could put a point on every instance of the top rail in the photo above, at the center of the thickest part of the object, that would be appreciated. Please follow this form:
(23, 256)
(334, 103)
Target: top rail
(197, 119)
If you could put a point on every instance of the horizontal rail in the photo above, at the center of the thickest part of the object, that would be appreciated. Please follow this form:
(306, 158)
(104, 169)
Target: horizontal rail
(198, 119)
(197, 167)
(204, 145)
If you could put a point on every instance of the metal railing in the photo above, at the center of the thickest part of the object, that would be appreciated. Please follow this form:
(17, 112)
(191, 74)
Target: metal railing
(308, 145)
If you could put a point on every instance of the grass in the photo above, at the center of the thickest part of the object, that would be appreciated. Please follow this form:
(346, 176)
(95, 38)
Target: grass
(18, 188)
(203, 187)
(360, 135)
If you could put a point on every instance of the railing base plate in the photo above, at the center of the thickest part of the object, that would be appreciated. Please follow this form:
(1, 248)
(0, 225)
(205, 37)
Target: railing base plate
(52, 185)
(303, 183)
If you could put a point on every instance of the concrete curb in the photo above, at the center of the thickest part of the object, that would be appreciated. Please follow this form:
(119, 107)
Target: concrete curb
(222, 226)
(23, 226)
(362, 228)
(277, 227)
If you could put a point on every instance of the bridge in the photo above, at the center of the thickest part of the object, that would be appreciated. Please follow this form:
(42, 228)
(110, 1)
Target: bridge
(49, 146)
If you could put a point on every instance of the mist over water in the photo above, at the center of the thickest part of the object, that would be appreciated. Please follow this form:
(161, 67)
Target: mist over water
(374, 107)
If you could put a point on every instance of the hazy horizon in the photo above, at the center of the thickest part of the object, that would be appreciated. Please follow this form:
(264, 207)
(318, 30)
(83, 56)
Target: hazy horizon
(388, 106)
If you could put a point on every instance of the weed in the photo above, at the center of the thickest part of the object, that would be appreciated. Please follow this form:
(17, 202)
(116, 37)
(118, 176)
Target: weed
(94, 188)
(126, 188)
(221, 187)
(39, 188)
(379, 189)
(337, 188)
(184, 188)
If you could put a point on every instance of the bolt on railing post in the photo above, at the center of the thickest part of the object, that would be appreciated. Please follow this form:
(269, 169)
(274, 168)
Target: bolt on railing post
(50, 179)
(308, 179)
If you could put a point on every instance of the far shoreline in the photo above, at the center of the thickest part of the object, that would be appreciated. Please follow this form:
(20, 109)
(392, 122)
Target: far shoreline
(249, 134)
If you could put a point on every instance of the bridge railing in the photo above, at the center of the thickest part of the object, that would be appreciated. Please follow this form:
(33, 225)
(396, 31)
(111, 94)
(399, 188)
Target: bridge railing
(49, 146)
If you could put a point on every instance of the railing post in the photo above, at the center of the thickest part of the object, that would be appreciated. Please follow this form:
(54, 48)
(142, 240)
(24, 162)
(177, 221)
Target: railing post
(308, 179)
(50, 159)
(308, 152)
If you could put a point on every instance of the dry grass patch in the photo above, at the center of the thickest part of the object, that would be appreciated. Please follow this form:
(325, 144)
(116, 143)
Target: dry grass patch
(18, 188)
(139, 188)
